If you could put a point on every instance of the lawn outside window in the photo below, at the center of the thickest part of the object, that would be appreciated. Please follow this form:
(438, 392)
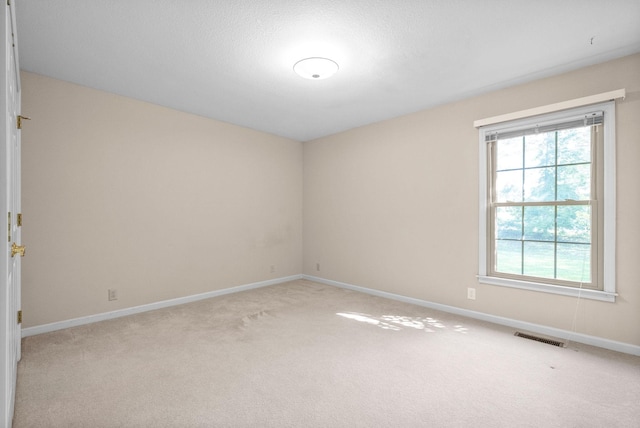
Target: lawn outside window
(547, 202)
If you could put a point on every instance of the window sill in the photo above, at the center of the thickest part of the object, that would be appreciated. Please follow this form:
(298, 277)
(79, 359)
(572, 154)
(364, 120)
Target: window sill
(605, 296)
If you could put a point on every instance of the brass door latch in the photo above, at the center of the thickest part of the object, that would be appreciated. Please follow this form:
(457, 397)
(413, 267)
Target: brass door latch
(17, 249)
(19, 121)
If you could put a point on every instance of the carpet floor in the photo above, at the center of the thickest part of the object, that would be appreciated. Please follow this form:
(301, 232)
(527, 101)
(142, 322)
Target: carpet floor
(303, 354)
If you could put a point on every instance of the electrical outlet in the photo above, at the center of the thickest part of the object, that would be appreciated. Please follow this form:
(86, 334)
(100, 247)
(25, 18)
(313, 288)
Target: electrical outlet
(318, 267)
(273, 268)
(113, 294)
(471, 293)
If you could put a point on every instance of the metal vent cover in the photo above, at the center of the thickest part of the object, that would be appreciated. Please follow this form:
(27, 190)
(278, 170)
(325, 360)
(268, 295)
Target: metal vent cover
(540, 339)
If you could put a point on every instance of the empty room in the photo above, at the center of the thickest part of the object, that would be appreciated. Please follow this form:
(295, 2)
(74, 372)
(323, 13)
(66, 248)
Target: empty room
(287, 213)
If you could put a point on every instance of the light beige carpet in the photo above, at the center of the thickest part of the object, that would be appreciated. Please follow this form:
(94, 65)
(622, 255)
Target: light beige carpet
(303, 354)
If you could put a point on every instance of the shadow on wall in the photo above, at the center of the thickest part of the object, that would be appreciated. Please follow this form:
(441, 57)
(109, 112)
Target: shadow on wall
(397, 322)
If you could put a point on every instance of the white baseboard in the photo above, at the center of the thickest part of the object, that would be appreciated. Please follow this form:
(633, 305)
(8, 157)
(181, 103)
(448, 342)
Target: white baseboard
(535, 328)
(46, 328)
(613, 345)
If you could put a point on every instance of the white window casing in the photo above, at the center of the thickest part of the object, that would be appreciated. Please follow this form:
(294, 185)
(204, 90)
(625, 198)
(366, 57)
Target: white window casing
(606, 242)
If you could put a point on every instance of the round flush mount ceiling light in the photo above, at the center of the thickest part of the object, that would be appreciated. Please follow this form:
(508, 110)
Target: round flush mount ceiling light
(315, 68)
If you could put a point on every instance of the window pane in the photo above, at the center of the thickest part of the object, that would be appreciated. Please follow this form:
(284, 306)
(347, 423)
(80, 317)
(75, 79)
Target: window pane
(544, 181)
(574, 262)
(539, 259)
(509, 154)
(509, 186)
(574, 182)
(539, 184)
(574, 145)
(509, 257)
(539, 223)
(540, 150)
(509, 222)
(574, 224)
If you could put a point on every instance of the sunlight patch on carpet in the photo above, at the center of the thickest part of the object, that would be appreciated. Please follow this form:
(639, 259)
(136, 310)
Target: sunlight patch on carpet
(397, 322)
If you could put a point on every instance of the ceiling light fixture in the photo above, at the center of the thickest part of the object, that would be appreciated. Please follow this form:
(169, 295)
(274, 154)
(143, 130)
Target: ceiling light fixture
(316, 68)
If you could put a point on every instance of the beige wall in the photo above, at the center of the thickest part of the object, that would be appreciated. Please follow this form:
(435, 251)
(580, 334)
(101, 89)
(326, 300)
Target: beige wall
(156, 203)
(394, 206)
(161, 204)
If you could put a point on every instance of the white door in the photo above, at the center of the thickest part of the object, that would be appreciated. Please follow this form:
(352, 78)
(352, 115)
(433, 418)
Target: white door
(10, 196)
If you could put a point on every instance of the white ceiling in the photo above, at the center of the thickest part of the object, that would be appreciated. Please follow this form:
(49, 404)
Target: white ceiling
(232, 60)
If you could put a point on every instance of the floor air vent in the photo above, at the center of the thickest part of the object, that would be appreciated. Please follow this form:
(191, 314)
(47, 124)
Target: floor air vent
(541, 339)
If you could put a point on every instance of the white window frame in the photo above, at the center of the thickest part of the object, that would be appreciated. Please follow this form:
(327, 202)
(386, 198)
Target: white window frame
(608, 293)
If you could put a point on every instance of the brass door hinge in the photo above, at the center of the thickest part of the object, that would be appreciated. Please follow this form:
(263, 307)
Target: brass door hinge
(20, 119)
(19, 317)
(19, 219)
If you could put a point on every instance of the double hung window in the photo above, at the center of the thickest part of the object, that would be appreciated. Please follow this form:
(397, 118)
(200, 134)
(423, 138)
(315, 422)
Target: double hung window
(545, 202)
